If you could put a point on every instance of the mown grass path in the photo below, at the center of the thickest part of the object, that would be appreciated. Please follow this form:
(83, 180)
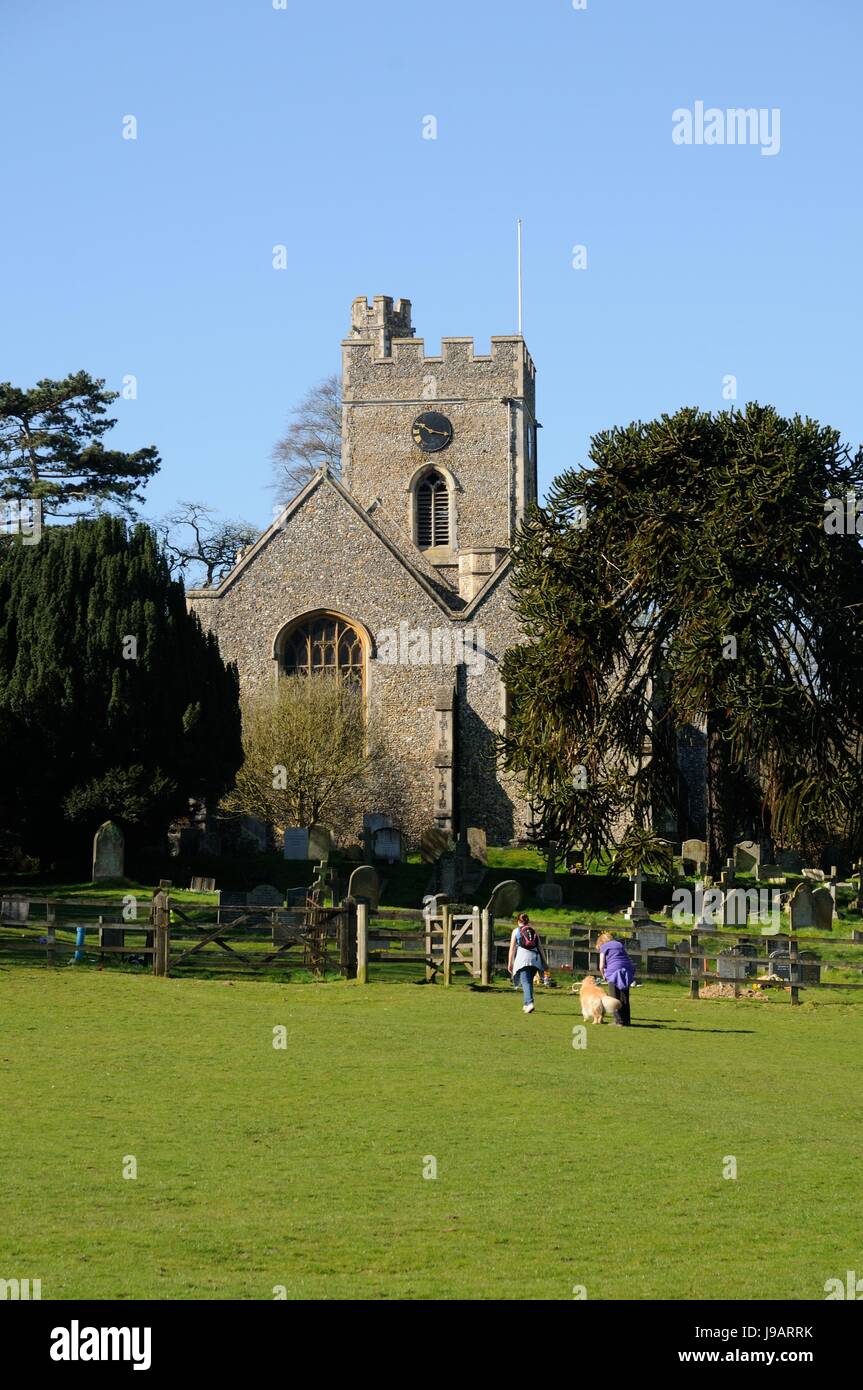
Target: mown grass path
(303, 1167)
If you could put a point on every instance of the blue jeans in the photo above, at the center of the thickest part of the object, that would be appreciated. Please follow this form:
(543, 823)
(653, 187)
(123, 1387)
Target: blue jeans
(524, 977)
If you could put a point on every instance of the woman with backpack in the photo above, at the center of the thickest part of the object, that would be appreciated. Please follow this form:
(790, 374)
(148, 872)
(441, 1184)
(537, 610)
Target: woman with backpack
(525, 959)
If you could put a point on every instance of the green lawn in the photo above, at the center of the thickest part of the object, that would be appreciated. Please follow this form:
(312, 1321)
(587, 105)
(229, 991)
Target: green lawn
(556, 1167)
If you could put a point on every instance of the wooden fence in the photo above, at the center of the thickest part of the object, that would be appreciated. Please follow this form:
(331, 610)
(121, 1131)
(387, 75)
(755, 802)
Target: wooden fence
(347, 938)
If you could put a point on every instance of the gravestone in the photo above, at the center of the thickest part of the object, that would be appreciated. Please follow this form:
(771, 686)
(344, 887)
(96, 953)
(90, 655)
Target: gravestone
(364, 882)
(14, 907)
(296, 842)
(790, 860)
(387, 844)
(202, 885)
(801, 907)
(814, 875)
(505, 899)
(747, 854)
(550, 894)
(823, 906)
(731, 965)
(652, 938)
(433, 843)
(478, 843)
(230, 898)
(559, 956)
(265, 895)
(254, 832)
(694, 852)
(320, 843)
(432, 904)
(637, 912)
(769, 873)
(108, 851)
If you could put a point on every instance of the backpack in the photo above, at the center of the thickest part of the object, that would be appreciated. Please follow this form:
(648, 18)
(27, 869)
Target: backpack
(528, 938)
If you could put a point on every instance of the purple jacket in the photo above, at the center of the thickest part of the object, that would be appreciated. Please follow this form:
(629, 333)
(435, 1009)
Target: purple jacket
(618, 969)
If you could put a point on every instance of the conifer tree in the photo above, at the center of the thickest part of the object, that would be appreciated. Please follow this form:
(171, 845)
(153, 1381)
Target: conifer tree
(113, 701)
(688, 577)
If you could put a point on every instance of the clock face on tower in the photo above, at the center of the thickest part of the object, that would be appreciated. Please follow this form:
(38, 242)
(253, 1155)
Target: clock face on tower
(431, 431)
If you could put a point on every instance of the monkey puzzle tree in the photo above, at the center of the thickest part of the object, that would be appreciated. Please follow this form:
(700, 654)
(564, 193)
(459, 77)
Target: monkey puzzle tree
(687, 578)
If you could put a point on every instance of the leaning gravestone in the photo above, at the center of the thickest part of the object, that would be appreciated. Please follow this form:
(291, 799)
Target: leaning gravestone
(802, 908)
(433, 843)
(822, 906)
(295, 844)
(365, 883)
(747, 854)
(108, 851)
(478, 843)
(550, 894)
(505, 898)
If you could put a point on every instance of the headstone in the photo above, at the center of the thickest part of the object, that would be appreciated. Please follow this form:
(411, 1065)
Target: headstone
(814, 875)
(694, 852)
(14, 907)
(254, 832)
(432, 904)
(296, 842)
(652, 938)
(202, 885)
(478, 843)
(320, 843)
(108, 851)
(387, 844)
(559, 955)
(505, 899)
(265, 895)
(790, 860)
(550, 894)
(230, 898)
(433, 843)
(747, 854)
(365, 883)
(769, 873)
(636, 912)
(376, 821)
(823, 906)
(801, 907)
(731, 965)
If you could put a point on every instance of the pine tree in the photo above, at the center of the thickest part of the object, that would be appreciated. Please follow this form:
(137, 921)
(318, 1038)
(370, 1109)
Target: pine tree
(113, 702)
(688, 578)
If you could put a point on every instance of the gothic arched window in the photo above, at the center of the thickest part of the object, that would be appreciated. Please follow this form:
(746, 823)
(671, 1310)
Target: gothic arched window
(432, 511)
(324, 645)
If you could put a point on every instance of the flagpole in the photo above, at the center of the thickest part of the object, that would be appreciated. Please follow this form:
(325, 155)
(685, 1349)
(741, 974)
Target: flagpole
(518, 242)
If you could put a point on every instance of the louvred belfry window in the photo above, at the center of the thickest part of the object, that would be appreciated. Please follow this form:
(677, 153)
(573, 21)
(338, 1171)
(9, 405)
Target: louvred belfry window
(432, 512)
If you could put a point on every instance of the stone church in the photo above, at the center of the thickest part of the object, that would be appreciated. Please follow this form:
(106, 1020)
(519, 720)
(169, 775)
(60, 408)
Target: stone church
(396, 575)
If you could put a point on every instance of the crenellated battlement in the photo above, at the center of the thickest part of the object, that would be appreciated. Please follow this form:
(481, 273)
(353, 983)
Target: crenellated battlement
(379, 322)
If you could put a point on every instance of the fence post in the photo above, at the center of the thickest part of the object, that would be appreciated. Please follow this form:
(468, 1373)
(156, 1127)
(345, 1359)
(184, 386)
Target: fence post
(161, 932)
(447, 944)
(476, 933)
(693, 965)
(793, 970)
(50, 931)
(362, 942)
(486, 945)
(347, 939)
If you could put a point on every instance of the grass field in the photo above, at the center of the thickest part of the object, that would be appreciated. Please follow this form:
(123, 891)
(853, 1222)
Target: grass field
(303, 1167)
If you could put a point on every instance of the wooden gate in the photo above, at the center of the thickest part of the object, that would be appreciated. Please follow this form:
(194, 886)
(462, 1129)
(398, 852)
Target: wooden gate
(453, 937)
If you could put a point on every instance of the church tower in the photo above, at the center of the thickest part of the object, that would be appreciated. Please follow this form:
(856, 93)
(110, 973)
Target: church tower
(445, 445)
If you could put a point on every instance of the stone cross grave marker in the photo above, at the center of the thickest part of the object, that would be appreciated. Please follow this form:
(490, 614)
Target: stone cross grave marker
(637, 912)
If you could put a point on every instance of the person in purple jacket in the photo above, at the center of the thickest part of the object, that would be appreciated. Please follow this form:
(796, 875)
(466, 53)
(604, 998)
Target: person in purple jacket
(617, 970)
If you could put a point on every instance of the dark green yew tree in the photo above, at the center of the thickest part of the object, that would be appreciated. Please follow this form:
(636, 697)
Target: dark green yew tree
(687, 577)
(113, 702)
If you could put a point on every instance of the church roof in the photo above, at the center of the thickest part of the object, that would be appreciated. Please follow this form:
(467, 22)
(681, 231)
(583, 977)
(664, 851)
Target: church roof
(390, 535)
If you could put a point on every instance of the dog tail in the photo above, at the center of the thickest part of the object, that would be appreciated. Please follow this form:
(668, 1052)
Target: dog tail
(610, 1006)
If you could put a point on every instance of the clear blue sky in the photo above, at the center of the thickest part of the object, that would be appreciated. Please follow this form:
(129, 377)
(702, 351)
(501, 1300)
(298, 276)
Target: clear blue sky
(303, 126)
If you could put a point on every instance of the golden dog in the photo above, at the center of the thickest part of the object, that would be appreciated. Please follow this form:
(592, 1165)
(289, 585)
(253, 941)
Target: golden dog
(595, 1003)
